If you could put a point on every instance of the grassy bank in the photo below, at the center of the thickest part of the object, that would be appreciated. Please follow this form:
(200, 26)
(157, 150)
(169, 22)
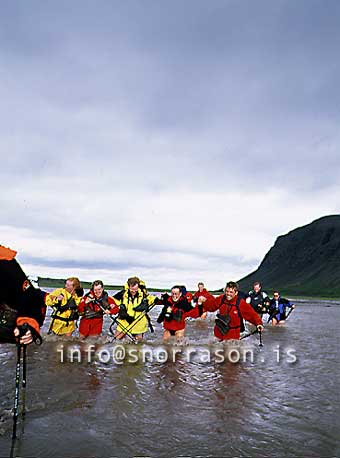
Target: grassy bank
(60, 283)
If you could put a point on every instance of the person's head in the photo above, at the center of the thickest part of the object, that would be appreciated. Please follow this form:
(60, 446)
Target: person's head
(257, 286)
(71, 284)
(133, 285)
(200, 286)
(176, 293)
(184, 290)
(276, 295)
(231, 290)
(97, 288)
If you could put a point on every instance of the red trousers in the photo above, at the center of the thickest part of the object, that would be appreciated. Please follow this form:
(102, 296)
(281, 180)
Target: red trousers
(91, 326)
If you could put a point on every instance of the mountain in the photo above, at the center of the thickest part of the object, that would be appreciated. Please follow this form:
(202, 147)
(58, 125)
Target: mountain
(306, 261)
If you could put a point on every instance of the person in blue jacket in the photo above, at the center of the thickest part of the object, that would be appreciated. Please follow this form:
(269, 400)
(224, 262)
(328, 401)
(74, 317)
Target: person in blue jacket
(278, 309)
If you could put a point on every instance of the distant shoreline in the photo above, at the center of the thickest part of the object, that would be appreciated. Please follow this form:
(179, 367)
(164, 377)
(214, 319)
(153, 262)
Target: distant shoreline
(59, 283)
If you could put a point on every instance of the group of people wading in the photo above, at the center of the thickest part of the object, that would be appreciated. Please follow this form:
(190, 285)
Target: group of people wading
(129, 308)
(23, 310)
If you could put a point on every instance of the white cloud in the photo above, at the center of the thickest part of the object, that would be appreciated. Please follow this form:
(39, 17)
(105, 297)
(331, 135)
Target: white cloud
(175, 237)
(148, 147)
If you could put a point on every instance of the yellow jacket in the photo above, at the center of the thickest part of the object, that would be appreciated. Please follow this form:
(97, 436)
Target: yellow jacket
(61, 326)
(140, 323)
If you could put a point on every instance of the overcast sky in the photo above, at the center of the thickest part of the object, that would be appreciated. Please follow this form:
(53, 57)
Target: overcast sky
(173, 140)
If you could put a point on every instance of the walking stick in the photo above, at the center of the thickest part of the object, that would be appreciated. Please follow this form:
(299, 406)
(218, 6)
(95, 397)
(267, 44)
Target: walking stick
(114, 320)
(260, 344)
(56, 307)
(290, 311)
(252, 333)
(21, 352)
(144, 314)
(16, 396)
(24, 365)
(249, 334)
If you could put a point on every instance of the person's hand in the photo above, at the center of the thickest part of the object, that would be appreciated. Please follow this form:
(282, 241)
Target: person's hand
(26, 339)
(60, 297)
(259, 327)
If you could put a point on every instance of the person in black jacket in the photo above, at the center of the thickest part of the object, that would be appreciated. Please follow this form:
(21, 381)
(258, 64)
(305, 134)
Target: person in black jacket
(21, 305)
(258, 299)
(278, 309)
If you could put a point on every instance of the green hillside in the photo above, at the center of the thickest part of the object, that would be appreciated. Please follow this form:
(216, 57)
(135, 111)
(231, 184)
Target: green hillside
(304, 262)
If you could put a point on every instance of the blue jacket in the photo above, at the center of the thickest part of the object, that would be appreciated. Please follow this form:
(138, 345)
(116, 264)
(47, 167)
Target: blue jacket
(277, 308)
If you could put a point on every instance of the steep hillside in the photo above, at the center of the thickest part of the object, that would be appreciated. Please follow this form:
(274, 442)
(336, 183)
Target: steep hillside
(306, 261)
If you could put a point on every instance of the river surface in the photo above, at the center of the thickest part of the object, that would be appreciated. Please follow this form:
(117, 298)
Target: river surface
(187, 400)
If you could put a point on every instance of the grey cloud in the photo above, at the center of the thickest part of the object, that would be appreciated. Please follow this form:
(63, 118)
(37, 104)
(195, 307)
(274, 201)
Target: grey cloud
(137, 264)
(231, 86)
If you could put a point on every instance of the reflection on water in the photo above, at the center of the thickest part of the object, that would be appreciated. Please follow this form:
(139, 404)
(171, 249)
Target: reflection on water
(267, 406)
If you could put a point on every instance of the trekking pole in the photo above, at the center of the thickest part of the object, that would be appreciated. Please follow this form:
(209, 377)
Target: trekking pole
(271, 316)
(144, 314)
(56, 307)
(260, 344)
(21, 349)
(125, 330)
(24, 365)
(290, 311)
(114, 321)
(252, 333)
(249, 334)
(16, 396)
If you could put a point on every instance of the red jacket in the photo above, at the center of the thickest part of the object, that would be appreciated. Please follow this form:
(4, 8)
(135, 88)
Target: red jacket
(188, 297)
(226, 307)
(204, 293)
(93, 305)
(183, 308)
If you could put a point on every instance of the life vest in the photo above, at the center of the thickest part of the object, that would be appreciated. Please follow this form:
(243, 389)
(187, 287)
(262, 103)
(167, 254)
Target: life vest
(259, 300)
(92, 309)
(175, 310)
(70, 305)
(129, 312)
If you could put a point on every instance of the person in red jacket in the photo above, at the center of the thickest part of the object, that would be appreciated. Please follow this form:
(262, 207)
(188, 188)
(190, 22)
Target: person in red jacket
(202, 292)
(232, 310)
(176, 309)
(92, 307)
(186, 294)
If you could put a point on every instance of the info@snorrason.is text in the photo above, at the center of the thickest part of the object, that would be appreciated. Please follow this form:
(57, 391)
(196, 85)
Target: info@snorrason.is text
(132, 354)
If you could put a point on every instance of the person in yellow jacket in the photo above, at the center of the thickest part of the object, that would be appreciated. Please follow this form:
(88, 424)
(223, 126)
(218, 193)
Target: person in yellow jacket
(64, 302)
(134, 302)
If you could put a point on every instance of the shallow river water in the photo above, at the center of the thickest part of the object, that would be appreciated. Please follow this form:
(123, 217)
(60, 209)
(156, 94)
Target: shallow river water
(196, 399)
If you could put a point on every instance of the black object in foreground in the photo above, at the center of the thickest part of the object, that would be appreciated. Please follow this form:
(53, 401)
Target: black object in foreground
(21, 349)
